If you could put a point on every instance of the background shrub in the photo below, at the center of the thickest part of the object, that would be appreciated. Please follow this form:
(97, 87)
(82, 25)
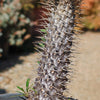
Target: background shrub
(91, 18)
(17, 18)
(14, 25)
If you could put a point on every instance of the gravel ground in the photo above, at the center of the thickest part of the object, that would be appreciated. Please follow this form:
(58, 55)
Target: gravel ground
(85, 84)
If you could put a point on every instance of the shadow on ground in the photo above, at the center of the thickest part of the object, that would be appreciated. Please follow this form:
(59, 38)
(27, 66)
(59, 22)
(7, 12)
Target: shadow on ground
(2, 91)
(11, 60)
(69, 98)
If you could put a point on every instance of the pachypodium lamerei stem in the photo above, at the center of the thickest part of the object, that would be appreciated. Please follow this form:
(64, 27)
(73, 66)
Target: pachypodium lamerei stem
(55, 60)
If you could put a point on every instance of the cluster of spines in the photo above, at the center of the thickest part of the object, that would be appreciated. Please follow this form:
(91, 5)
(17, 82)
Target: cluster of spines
(57, 48)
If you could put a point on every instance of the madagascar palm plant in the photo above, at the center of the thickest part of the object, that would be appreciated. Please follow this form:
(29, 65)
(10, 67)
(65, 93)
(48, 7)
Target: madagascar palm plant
(62, 18)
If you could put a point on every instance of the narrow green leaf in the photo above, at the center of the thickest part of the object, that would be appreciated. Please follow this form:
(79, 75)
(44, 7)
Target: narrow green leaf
(21, 89)
(43, 30)
(20, 92)
(27, 84)
(38, 62)
(43, 39)
(34, 90)
(41, 45)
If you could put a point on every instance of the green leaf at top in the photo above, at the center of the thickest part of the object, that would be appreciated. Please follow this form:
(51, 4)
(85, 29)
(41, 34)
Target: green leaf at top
(41, 45)
(27, 84)
(38, 62)
(43, 39)
(43, 30)
(21, 89)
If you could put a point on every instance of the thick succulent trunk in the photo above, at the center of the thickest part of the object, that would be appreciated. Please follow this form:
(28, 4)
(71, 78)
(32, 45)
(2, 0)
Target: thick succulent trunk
(55, 61)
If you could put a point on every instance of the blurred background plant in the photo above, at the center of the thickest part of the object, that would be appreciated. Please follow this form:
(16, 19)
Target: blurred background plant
(19, 20)
(91, 13)
(14, 25)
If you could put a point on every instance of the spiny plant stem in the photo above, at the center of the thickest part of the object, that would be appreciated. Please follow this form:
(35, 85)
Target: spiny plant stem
(55, 60)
